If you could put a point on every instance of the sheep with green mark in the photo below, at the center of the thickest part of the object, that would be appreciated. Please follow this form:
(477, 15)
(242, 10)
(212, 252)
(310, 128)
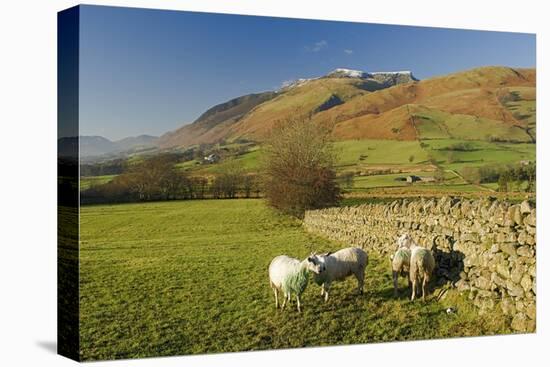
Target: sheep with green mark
(290, 276)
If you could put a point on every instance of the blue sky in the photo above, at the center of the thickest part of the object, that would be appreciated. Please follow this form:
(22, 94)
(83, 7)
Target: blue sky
(151, 71)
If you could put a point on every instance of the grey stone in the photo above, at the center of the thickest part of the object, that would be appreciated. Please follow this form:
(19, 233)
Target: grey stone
(522, 238)
(508, 306)
(517, 273)
(514, 290)
(531, 311)
(526, 251)
(525, 207)
(530, 220)
(483, 283)
(519, 322)
(508, 248)
(496, 279)
(462, 285)
(526, 282)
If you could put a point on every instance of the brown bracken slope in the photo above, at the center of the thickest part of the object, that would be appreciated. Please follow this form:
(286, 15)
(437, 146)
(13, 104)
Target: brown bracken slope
(485, 99)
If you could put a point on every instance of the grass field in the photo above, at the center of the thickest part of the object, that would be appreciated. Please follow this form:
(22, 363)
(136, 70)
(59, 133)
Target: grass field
(88, 181)
(191, 277)
(379, 152)
(370, 156)
(482, 153)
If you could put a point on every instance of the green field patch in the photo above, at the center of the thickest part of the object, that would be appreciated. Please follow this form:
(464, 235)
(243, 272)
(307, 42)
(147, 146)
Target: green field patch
(482, 153)
(191, 277)
(436, 124)
(89, 181)
(360, 152)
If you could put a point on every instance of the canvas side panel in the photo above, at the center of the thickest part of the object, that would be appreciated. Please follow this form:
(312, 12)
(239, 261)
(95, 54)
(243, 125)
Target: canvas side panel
(67, 184)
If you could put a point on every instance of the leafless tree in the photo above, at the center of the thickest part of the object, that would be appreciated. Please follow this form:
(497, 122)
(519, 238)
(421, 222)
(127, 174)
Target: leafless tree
(298, 167)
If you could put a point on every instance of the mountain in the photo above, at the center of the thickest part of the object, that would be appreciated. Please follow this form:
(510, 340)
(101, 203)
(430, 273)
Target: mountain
(213, 123)
(384, 78)
(470, 104)
(486, 103)
(135, 142)
(314, 95)
(93, 146)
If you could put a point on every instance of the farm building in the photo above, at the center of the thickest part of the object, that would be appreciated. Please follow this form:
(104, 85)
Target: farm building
(212, 158)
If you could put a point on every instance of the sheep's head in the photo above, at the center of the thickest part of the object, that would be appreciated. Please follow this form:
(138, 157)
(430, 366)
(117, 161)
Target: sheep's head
(316, 263)
(405, 240)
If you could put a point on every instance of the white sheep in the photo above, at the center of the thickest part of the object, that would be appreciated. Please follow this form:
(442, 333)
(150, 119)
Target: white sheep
(422, 264)
(338, 266)
(405, 241)
(400, 264)
(290, 276)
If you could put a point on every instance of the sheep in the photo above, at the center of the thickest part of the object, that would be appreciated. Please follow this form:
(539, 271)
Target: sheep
(422, 264)
(290, 276)
(400, 263)
(405, 241)
(338, 266)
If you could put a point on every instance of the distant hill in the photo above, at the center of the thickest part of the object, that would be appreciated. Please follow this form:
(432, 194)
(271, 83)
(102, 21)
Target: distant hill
(475, 104)
(212, 125)
(135, 142)
(493, 103)
(232, 118)
(92, 146)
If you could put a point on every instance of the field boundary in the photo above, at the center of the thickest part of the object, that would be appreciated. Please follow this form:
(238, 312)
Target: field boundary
(484, 247)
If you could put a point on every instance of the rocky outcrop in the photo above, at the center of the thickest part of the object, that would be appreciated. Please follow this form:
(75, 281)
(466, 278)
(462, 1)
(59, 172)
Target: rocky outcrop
(484, 247)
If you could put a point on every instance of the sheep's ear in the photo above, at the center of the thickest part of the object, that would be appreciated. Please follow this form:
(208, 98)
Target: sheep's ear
(328, 253)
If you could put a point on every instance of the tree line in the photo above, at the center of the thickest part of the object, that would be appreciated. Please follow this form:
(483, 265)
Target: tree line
(158, 178)
(520, 177)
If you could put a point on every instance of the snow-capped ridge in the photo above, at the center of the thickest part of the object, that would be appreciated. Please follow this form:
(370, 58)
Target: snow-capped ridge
(404, 72)
(350, 73)
(385, 77)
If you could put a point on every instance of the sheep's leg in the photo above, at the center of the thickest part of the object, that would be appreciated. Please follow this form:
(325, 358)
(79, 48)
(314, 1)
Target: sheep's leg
(284, 301)
(425, 285)
(298, 302)
(360, 281)
(424, 288)
(276, 297)
(394, 276)
(322, 289)
(326, 285)
(413, 289)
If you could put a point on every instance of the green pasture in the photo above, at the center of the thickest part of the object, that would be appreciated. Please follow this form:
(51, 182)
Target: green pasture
(88, 181)
(482, 153)
(435, 124)
(408, 156)
(160, 279)
(372, 151)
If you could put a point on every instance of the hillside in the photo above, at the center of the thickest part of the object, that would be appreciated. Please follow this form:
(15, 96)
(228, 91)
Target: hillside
(212, 125)
(454, 101)
(486, 103)
(238, 117)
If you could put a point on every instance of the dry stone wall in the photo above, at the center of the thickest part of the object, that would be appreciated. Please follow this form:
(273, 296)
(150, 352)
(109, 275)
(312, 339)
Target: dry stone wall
(484, 247)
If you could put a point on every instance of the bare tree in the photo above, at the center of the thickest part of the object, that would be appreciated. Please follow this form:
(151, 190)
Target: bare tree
(228, 180)
(298, 169)
(249, 184)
